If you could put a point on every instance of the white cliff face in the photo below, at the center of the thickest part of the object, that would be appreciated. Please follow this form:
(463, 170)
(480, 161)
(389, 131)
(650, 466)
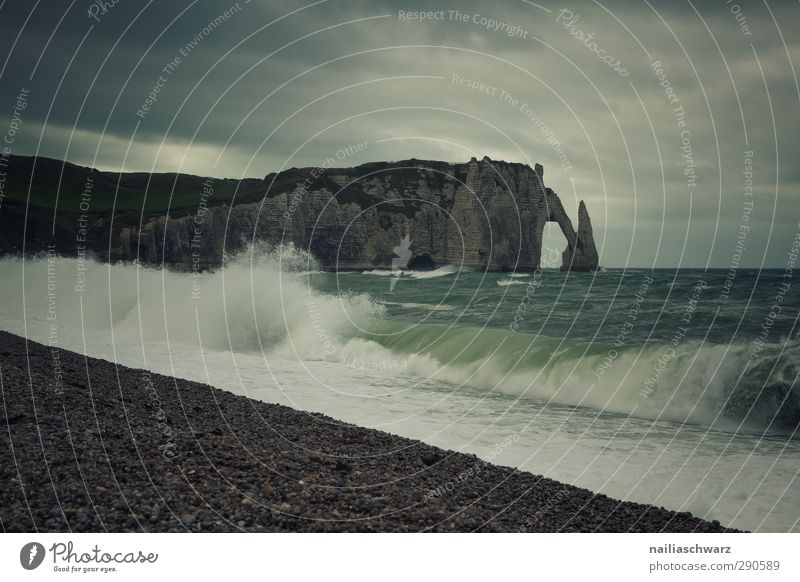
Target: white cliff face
(481, 214)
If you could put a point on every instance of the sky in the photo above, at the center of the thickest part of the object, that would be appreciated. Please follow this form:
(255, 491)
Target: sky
(677, 122)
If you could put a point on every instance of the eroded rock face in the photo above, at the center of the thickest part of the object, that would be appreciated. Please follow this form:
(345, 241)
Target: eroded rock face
(482, 215)
(583, 256)
(581, 253)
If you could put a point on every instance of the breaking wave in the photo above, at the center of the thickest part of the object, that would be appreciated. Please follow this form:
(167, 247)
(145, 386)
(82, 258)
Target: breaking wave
(263, 301)
(694, 383)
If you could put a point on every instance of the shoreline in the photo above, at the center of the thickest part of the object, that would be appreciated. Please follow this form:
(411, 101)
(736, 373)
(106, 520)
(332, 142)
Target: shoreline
(120, 449)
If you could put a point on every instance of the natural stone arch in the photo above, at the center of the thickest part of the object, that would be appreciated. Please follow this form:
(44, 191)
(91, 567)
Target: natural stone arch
(581, 252)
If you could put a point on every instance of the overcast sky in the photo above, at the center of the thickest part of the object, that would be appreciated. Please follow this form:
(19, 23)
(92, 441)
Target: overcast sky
(275, 84)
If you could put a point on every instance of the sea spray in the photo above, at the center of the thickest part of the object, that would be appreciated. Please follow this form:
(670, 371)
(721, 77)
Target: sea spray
(259, 303)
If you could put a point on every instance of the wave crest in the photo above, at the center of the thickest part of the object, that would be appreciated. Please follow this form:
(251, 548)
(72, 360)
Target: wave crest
(263, 301)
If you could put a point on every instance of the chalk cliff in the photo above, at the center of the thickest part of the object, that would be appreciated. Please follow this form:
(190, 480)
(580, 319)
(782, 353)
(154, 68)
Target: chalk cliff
(481, 214)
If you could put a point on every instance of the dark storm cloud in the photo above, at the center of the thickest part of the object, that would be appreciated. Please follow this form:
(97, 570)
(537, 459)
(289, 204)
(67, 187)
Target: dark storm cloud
(280, 90)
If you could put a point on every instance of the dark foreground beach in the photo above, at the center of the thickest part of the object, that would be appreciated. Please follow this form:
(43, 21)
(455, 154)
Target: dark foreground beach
(89, 446)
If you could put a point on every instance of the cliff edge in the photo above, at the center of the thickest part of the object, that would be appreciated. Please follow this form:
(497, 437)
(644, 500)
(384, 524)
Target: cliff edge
(482, 214)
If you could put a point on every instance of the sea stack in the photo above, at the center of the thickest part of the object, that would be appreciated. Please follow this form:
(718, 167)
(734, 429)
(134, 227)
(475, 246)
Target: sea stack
(581, 252)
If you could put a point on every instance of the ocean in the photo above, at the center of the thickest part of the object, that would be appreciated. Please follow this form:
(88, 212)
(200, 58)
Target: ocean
(676, 387)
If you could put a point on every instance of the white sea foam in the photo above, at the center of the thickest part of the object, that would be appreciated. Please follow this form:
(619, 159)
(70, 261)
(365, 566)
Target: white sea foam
(432, 274)
(256, 305)
(428, 306)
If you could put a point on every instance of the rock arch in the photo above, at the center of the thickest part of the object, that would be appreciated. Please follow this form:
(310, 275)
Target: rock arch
(581, 252)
